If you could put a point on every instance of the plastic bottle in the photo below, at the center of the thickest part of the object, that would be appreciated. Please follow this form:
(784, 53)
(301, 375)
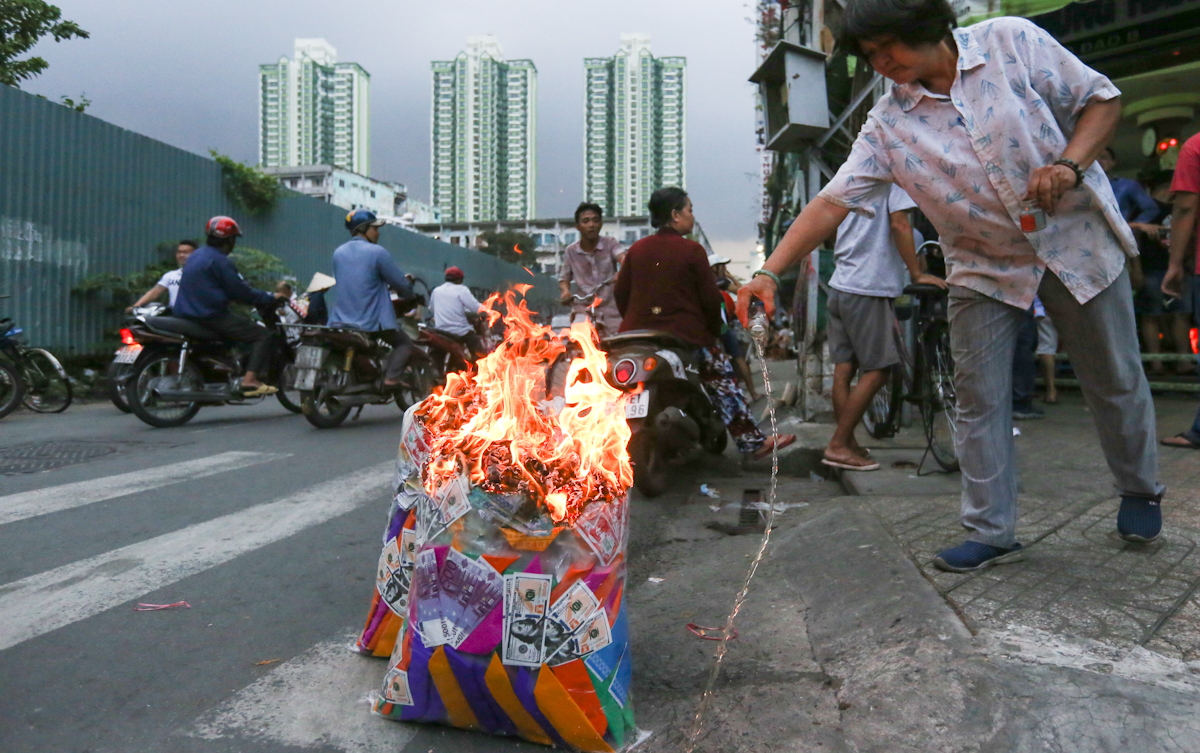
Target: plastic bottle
(759, 328)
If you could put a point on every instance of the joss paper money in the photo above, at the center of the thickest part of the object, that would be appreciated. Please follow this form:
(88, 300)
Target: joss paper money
(452, 499)
(429, 600)
(395, 688)
(575, 606)
(596, 528)
(389, 560)
(527, 599)
(590, 638)
(396, 591)
(486, 593)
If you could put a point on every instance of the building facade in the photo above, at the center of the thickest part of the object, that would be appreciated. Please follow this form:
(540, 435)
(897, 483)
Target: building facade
(314, 110)
(635, 126)
(483, 135)
(344, 188)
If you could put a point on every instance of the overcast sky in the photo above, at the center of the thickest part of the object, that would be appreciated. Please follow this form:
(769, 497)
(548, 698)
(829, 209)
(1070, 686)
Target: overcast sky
(186, 73)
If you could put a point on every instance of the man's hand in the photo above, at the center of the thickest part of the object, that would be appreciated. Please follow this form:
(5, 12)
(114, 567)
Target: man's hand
(564, 298)
(1048, 184)
(928, 279)
(1172, 283)
(129, 309)
(762, 288)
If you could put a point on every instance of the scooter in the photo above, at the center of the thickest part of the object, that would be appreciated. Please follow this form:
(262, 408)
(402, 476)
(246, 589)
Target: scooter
(124, 358)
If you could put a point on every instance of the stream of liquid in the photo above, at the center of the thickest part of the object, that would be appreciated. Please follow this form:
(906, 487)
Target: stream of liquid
(759, 336)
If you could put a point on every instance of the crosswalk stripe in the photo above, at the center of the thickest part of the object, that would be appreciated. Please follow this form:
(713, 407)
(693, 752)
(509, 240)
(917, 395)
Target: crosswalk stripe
(47, 601)
(37, 502)
(320, 695)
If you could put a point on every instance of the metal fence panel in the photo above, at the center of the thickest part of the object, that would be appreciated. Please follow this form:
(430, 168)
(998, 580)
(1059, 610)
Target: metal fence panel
(80, 196)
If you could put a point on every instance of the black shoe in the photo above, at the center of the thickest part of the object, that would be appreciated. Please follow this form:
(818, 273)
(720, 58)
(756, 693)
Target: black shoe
(1140, 519)
(1027, 414)
(973, 555)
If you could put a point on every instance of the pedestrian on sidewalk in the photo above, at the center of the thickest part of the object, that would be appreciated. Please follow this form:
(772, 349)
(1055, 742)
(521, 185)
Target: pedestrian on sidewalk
(1186, 193)
(1024, 367)
(1047, 350)
(994, 131)
(871, 255)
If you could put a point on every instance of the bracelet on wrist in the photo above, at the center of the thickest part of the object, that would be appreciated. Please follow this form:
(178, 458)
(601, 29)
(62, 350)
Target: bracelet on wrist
(1075, 168)
(768, 273)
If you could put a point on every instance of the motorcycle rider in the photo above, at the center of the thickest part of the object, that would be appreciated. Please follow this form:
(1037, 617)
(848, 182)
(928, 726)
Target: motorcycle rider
(452, 304)
(169, 282)
(209, 282)
(364, 270)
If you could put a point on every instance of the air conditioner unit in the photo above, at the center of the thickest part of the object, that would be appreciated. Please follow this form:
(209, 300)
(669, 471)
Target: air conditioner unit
(792, 83)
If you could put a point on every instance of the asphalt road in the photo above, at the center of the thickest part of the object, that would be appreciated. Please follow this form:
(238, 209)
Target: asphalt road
(270, 530)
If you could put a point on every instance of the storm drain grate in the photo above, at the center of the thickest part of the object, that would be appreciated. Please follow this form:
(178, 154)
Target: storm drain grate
(45, 456)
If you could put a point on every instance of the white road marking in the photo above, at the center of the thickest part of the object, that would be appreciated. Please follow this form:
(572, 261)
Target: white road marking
(1032, 646)
(47, 601)
(30, 504)
(319, 698)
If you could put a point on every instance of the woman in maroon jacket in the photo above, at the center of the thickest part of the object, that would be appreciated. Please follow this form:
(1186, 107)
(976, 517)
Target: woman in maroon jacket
(666, 284)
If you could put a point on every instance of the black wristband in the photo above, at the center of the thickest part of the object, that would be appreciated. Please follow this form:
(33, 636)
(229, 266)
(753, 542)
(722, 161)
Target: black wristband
(1074, 168)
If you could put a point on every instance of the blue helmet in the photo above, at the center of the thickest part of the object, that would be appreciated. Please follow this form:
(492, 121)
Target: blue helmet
(360, 219)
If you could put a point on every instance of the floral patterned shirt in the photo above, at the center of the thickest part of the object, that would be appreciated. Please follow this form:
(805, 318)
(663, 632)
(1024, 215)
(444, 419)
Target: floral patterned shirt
(966, 159)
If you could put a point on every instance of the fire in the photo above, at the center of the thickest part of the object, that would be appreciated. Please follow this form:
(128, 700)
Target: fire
(496, 424)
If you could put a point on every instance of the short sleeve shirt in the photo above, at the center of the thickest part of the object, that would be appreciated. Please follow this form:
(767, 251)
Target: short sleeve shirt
(170, 281)
(1187, 176)
(451, 302)
(966, 159)
(588, 269)
(867, 260)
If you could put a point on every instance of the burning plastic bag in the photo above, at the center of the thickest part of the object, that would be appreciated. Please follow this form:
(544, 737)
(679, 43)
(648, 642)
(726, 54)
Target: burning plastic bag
(500, 586)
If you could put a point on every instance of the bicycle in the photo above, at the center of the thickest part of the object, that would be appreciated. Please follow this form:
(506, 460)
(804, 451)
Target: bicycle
(925, 378)
(30, 376)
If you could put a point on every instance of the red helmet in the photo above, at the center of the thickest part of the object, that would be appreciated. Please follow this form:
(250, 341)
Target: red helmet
(454, 274)
(222, 227)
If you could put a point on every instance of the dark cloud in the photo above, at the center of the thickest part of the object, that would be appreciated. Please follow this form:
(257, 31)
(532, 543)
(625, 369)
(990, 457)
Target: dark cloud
(185, 73)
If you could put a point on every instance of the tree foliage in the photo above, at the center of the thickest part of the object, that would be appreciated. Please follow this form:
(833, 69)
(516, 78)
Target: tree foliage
(509, 245)
(23, 23)
(247, 187)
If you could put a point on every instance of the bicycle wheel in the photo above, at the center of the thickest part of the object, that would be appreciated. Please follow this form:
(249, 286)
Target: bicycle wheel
(12, 389)
(47, 389)
(939, 404)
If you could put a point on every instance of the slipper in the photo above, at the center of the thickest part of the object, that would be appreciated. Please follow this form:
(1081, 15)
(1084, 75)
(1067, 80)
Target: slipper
(871, 466)
(1189, 446)
(260, 391)
(777, 442)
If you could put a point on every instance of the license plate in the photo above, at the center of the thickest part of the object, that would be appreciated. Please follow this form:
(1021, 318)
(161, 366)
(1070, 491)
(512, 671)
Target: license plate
(638, 405)
(310, 357)
(305, 379)
(128, 354)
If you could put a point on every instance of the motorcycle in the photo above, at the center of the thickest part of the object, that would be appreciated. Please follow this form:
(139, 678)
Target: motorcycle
(181, 366)
(338, 369)
(449, 352)
(669, 413)
(117, 374)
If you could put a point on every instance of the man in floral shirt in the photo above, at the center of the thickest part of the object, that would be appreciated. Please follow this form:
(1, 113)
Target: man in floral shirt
(979, 120)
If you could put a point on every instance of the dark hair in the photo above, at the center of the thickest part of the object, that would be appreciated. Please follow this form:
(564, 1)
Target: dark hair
(911, 22)
(189, 242)
(216, 242)
(588, 206)
(1109, 151)
(663, 202)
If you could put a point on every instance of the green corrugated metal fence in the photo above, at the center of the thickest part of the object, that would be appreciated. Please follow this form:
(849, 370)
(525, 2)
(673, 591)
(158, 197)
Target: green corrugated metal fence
(80, 196)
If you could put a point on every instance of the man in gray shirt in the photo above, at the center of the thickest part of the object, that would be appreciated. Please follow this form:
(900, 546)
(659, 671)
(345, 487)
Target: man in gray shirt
(591, 263)
(862, 314)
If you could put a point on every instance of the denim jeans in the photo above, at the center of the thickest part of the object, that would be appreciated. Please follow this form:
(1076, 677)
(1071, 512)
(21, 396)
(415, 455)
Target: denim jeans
(983, 337)
(1024, 365)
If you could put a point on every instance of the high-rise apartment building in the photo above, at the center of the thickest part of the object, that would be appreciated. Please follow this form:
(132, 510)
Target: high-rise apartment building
(635, 130)
(483, 139)
(314, 110)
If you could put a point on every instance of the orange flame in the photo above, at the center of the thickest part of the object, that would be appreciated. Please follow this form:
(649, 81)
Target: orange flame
(516, 248)
(496, 424)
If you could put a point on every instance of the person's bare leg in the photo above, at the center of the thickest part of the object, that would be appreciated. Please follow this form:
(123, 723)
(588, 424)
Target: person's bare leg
(743, 371)
(250, 380)
(1151, 333)
(1047, 360)
(1181, 325)
(842, 446)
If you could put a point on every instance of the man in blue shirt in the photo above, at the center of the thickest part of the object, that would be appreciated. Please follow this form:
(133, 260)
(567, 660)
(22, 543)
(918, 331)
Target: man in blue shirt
(364, 271)
(1133, 201)
(209, 282)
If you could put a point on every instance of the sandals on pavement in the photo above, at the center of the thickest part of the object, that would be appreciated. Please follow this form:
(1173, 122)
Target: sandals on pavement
(1184, 442)
(864, 464)
(777, 442)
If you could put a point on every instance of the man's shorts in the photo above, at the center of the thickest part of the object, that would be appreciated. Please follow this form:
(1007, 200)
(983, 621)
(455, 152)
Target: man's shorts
(1151, 302)
(1047, 337)
(862, 329)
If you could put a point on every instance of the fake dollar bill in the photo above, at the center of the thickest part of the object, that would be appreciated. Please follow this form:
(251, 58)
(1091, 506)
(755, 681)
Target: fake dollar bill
(589, 638)
(395, 687)
(526, 602)
(389, 560)
(597, 528)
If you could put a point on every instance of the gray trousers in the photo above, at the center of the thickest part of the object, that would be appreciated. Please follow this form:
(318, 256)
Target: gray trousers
(1101, 336)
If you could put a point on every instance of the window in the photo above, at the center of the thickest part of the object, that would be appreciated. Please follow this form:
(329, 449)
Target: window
(341, 184)
(630, 236)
